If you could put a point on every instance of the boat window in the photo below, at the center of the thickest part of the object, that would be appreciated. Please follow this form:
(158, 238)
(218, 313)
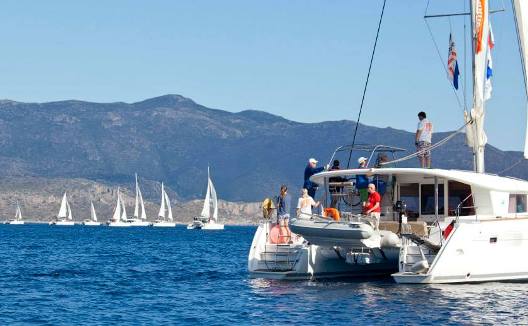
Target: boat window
(428, 199)
(457, 193)
(517, 204)
(410, 195)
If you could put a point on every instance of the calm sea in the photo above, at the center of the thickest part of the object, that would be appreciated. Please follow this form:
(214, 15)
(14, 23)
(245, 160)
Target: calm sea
(82, 275)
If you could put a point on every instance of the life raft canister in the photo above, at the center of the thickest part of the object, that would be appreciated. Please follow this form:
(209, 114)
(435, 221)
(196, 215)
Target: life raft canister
(333, 213)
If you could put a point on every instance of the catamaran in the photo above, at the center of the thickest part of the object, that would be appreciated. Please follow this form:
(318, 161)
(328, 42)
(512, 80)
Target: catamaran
(65, 217)
(206, 220)
(140, 216)
(165, 213)
(18, 217)
(453, 226)
(119, 219)
(93, 217)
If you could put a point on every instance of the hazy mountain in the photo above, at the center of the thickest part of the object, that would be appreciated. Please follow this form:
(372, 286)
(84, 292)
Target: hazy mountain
(173, 139)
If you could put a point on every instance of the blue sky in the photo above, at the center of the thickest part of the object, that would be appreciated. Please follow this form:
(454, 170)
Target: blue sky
(304, 60)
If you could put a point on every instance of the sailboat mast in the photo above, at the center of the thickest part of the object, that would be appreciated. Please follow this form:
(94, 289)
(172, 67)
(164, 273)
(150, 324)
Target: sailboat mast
(479, 46)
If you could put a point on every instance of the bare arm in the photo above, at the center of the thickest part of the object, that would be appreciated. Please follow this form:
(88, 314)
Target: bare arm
(373, 208)
(418, 134)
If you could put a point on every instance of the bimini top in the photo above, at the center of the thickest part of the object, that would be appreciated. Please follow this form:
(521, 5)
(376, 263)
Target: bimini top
(483, 180)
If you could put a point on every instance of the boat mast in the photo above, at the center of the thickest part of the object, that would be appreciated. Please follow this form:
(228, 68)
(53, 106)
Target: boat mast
(479, 46)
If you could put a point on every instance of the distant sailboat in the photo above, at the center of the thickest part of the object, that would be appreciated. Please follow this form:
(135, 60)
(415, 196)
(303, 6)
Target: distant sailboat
(165, 213)
(206, 221)
(119, 217)
(18, 217)
(93, 217)
(140, 216)
(65, 217)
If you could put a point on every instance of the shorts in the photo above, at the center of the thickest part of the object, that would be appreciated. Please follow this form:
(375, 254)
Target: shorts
(424, 148)
(284, 217)
(363, 194)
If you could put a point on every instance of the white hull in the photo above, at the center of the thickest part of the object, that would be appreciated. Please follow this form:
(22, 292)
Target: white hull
(139, 223)
(477, 251)
(14, 222)
(62, 223)
(300, 261)
(91, 223)
(118, 224)
(164, 224)
(212, 226)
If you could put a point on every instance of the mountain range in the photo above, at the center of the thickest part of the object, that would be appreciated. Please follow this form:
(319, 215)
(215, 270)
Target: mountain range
(173, 139)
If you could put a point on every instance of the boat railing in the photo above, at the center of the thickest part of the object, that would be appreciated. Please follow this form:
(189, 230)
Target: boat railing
(459, 208)
(371, 150)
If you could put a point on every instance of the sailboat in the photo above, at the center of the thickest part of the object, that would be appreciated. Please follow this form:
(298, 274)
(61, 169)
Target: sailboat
(65, 217)
(206, 221)
(119, 218)
(93, 217)
(18, 217)
(165, 213)
(453, 226)
(140, 216)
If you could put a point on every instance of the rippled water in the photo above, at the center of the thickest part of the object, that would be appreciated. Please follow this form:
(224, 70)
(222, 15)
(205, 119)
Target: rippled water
(101, 275)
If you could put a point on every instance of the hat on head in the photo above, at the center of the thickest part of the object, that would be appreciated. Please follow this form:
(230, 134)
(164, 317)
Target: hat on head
(362, 159)
(313, 161)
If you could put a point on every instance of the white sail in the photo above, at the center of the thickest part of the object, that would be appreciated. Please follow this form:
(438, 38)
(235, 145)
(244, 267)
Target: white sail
(63, 211)
(18, 214)
(162, 205)
(117, 211)
(70, 217)
(480, 23)
(214, 200)
(143, 215)
(206, 210)
(136, 206)
(140, 205)
(169, 209)
(520, 8)
(92, 212)
(123, 211)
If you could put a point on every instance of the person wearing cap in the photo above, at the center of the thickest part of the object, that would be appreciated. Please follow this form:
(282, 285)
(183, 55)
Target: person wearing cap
(373, 207)
(362, 181)
(310, 170)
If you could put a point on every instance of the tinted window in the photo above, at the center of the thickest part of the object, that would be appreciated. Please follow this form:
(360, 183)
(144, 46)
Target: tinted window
(428, 199)
(409, 194)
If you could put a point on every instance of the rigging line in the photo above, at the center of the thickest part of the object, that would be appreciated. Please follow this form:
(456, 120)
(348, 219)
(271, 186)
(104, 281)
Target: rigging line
(433, 147)
(366, 82)
(511, 166)
(442, 62)
(465, 61)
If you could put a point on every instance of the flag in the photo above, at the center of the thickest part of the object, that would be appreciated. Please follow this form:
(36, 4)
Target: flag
(452, 63)
(489, 66)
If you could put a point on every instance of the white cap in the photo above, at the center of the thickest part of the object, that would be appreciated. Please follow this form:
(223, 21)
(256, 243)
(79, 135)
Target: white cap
(313, 161)
(362, 159)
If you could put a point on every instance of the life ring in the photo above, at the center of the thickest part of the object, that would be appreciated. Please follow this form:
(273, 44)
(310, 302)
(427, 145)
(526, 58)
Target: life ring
(333, 213)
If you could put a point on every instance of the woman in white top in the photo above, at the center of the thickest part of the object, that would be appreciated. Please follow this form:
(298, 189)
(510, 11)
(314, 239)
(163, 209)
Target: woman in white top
(305, 204)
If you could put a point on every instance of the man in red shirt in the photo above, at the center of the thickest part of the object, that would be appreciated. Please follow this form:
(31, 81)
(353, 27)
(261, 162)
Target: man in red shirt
(373, 207)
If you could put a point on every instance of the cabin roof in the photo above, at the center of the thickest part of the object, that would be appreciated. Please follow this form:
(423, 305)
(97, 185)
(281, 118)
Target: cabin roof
(483, 180)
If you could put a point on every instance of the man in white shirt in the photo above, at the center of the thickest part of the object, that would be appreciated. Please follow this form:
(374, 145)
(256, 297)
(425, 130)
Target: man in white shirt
(424, 134)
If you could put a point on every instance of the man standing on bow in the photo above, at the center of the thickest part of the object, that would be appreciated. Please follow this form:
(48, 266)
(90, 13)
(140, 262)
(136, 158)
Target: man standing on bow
(310, 170)
(424, 134)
